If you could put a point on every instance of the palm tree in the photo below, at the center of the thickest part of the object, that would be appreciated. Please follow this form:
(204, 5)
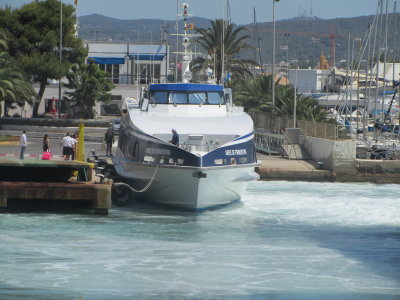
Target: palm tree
(14, 86)
(230, 37)
(255, 94)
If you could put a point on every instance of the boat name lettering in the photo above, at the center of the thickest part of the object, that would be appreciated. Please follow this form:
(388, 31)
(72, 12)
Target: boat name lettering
(158, 151)
(235, 152)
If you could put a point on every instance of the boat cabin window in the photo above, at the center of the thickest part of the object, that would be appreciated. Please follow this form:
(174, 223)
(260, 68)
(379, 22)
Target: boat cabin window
(215, 98)
(197, 98)
(159, 97)
(177, 98)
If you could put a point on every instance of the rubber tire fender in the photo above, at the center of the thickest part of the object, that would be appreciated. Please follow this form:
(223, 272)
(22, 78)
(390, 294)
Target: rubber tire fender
(121, 195)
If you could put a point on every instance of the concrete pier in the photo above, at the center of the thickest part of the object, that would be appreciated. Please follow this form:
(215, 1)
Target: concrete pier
(35, 181)
(94, 196)
(278, 168)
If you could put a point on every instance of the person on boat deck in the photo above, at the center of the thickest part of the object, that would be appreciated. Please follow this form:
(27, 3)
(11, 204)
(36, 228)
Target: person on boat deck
(175, 138)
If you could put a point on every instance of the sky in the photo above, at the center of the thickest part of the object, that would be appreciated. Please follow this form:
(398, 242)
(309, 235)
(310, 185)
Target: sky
(241, 11)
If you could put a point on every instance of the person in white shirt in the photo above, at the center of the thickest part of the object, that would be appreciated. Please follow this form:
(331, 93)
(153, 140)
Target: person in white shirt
(73, 141)
(67, 143)
(23, 142)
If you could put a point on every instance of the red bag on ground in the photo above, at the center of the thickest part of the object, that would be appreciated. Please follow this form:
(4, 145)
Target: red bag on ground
(46, 155)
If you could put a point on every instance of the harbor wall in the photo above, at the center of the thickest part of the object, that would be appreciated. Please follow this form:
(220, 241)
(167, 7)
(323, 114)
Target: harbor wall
(336, 156)
(376, 171)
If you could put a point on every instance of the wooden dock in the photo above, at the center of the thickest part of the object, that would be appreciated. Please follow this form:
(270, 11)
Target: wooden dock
(34, 181)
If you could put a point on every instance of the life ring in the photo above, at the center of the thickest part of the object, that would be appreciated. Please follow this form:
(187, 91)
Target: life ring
(121, 194)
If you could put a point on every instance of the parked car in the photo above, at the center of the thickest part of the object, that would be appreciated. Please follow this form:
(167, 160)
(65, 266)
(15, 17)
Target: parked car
(116, 123)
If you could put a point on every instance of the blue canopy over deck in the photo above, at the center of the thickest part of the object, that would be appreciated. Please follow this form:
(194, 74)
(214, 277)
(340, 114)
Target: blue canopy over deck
(186, 87)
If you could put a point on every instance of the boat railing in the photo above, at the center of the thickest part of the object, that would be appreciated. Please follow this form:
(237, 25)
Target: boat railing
(275, 124)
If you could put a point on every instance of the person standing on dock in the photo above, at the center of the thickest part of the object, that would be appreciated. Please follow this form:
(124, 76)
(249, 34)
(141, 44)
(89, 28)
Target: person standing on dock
(46, 143)
(109, 140)
(23, 142)
(74, 141)
(64, 145)
(67, 143)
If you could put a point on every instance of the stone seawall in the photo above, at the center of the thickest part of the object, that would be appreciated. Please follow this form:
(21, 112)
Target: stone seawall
(374, 171)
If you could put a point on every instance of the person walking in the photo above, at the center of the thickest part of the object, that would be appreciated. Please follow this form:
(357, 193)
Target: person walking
(109, 140)
(23, 142)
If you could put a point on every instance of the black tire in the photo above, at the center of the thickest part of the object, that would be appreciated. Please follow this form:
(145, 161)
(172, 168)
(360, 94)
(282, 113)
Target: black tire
(121, 195)
(109, 171)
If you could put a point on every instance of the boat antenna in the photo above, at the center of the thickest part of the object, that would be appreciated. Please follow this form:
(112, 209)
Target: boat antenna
(187, 56)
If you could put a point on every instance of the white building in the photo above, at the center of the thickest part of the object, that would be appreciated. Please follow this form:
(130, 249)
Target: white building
(129, 63)
(309, 81)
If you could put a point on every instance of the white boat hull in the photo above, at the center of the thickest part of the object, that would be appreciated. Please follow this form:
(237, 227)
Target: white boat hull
(193, 188)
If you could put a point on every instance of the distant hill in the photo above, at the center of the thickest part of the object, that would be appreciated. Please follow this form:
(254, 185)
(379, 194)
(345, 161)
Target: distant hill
(307, 38)
(106, 29)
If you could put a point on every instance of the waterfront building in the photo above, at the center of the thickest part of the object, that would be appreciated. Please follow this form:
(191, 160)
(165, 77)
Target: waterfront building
(128, 66)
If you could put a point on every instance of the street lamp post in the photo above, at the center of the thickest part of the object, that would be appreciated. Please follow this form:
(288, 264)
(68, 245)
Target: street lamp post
(59, 81)
(295, 102)
(273, 51)
(287, 54)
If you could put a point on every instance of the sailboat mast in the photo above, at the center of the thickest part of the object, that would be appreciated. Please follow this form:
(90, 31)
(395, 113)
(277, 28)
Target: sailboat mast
(394, 41)
(347, 74)
(376, 24)
(385, 60)
(177, 40)
(367, 83)
(378, 56)
(254, 37)
(137, 63)
(223, 46)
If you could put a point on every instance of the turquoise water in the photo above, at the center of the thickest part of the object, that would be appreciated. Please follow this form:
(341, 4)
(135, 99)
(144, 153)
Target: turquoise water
(285, 240)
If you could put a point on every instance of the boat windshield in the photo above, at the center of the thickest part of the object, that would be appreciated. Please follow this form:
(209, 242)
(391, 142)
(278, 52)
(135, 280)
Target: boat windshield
(179, 97)
(159, 97)
(197, 98)
(215, 98)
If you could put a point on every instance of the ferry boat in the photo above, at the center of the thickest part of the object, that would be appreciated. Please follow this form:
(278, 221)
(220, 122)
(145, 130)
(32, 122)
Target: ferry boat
(214, 160)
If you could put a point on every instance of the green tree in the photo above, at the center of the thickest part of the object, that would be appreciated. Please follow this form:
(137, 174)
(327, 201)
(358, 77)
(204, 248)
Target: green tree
(90, 85)
(35, 38)
(212, 39)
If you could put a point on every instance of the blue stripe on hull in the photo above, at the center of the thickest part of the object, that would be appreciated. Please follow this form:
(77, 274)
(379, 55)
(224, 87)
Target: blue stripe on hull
(140, 147)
